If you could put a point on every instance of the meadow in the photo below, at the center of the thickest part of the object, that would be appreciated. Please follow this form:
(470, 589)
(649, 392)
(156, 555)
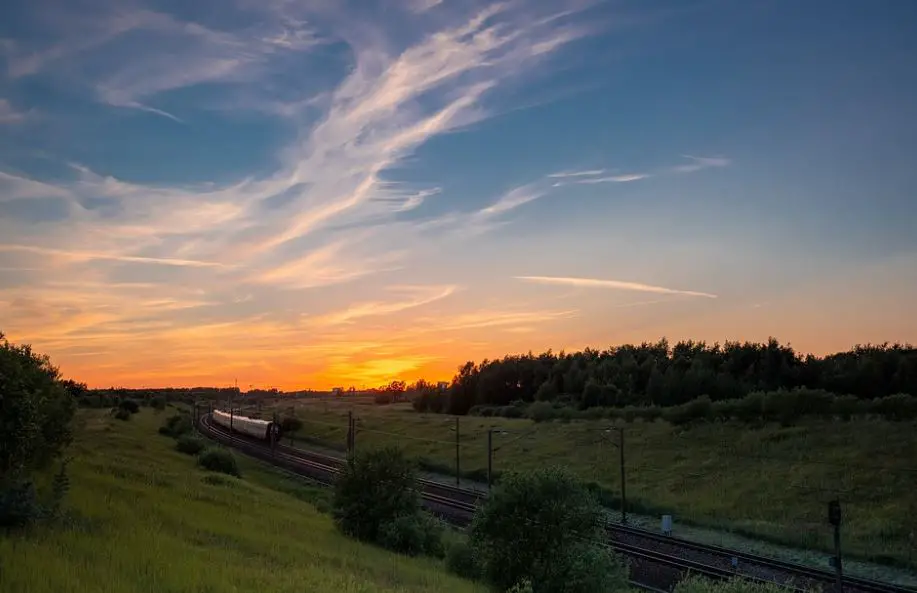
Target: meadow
(772, 483)
(144, 517)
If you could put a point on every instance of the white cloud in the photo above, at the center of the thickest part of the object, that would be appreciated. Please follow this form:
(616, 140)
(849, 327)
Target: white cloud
(699, 163)
(565, 174)
(420, 6)
(10, 115)
(416, 296)
(327, 215)
(616, 284)
(615, 178)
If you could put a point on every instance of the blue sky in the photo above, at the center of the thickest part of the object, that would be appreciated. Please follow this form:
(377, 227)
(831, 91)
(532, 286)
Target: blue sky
(318, 192)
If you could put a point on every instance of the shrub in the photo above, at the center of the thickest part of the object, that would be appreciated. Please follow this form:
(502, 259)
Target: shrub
(290, 424)
(158, 403)
(129, 405)
(698, 584)
(176, 425)
(541, 411)
(189, 444)
(847, 406)
(122, 414)
(219, 460)
(417, 533)
(511, 412)
(375, 489)
(19, 504)
(896, 407)
(546, 527)
(36, 412)
(546, 391)
(460, 561)
(523, 586)
(697, 409)
(382, 399)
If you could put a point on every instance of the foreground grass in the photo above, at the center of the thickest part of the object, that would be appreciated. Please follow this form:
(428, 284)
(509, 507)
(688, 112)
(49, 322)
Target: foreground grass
(145, 518)
(771, 483)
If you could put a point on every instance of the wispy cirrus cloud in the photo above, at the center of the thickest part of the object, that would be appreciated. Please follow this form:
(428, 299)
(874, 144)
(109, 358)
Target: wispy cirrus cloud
(9, 114)
(700, 163)
(566, 174)
(615, 284)
(414, 296)
(180, 268)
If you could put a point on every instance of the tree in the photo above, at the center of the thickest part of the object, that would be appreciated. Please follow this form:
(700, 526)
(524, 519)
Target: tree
(544, 527)
(377, 488)
(36, 412)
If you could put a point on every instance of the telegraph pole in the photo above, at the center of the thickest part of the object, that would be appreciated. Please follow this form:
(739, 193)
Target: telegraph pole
(620, 446)
(623, 482)
(457, 453)
(350, 435)
(490, 457)
(834, 517)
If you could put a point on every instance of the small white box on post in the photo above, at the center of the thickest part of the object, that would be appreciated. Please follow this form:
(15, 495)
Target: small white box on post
(667, 524)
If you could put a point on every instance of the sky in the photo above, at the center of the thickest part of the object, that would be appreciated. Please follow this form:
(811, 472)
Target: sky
(313, 193)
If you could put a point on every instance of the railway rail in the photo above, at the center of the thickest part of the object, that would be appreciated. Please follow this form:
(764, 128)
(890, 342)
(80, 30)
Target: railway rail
(656, 561)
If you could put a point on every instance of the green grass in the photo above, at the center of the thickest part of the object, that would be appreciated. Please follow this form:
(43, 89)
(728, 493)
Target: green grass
(772, 483)
(145, 518)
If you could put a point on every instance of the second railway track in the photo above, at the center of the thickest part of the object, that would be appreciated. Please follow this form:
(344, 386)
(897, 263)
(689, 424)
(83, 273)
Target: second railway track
(656, 561)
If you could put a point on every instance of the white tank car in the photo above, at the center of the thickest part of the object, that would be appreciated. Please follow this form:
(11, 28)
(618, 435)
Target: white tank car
(259, 429)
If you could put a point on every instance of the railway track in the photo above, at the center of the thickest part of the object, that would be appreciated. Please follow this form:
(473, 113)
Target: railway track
(656, 561)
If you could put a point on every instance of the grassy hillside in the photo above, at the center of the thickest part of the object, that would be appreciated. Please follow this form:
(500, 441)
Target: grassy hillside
(772, 482)
(145, 518)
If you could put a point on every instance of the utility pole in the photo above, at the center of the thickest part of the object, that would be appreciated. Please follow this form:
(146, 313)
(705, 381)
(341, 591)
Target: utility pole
(490, 457)
(230, 414)
(623, 482)
(457, 453)
(350, 435)
(274, 429)
(620, 446)
(834, 517)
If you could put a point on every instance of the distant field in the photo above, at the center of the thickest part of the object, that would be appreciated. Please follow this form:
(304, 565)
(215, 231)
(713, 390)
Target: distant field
(773, 483)
(146, 519)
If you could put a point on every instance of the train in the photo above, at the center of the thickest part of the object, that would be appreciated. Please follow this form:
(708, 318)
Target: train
(262, 430)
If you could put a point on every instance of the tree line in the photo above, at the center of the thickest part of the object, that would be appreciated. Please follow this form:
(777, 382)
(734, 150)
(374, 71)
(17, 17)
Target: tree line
(660, 375)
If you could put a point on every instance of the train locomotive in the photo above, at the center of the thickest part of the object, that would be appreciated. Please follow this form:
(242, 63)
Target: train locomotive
(262, 430)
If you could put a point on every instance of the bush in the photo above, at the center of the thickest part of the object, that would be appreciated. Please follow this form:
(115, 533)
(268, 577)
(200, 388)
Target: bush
(698, 584)
(460, 561)
(541, 411)
(847, 406)
(176, 425)
(19, 504)
(376, 500)
(129, 405)
(418, 533)
(219, 460)
(546, 391)
(290, 424)
(122, 414)
(158, 403)
(36, 412)
(189, 444)
(510, 412)
(896, 407)
(546, 527)
(697, 409)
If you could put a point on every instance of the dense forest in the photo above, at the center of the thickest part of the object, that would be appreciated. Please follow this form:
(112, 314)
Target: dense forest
(661, 375)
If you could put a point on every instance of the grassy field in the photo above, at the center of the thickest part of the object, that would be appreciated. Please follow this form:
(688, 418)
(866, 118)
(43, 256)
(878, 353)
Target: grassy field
(145, 518)
(772, 483)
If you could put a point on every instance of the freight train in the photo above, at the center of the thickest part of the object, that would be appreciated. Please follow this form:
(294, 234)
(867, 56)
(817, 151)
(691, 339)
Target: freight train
(262, 430)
